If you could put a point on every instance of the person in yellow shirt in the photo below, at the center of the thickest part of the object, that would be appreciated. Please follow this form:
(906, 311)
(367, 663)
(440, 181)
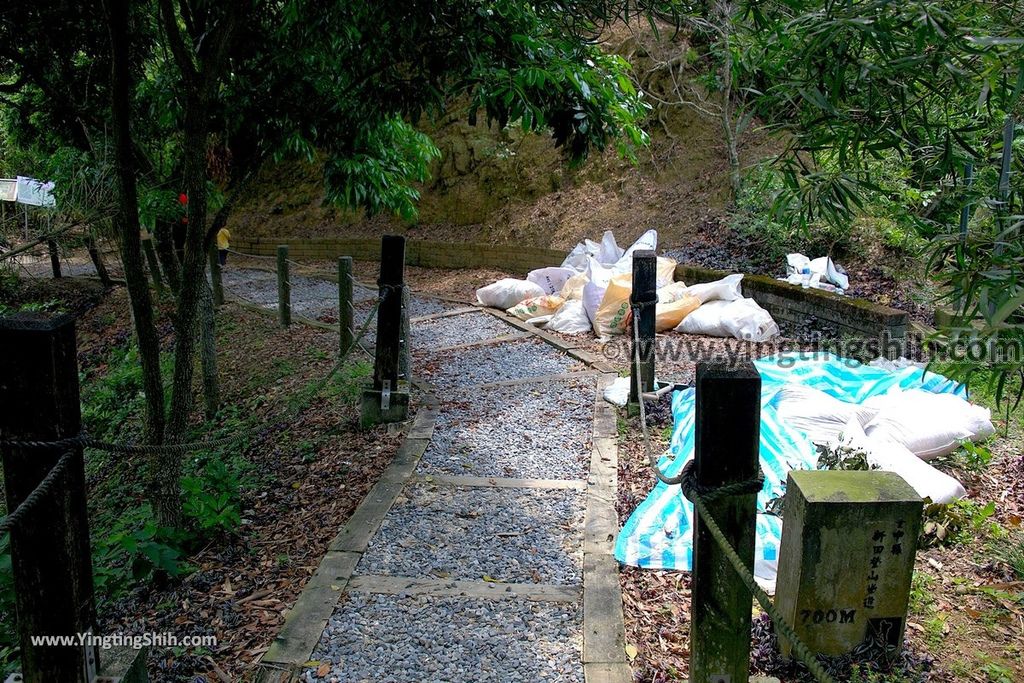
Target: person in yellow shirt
(223, 242)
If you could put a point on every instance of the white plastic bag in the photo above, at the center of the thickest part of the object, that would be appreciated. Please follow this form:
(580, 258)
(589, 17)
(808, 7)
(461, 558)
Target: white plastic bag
(648, 240)
(507, 292)
(671, 292)
(617, 393)
(573, 287)
(570, 319)
(537, 306)
(820, 416)
(550, 279)
(598, 278)
(927, 424)
(745, 319)
(707, 319)
(742, 319)
(726, 289)
(890, 456)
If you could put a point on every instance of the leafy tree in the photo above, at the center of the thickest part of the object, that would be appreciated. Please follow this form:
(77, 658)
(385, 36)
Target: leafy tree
(190, 81)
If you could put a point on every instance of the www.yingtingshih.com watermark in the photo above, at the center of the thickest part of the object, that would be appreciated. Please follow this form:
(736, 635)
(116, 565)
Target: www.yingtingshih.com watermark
(135, 641)
(966, 348)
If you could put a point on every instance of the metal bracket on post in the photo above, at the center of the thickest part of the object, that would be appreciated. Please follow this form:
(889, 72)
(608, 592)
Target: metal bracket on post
(385, 395)
(89, 663)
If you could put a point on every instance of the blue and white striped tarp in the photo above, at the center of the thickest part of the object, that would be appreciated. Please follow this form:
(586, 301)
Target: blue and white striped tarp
(658, 535)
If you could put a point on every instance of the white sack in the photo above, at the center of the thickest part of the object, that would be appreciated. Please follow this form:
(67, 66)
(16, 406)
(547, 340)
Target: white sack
(745, 319)
(593, 291)
(927, 424)
(617, 393)
(506, 293)
(742, 319)
(726, 289)
(819, 273)
(707, 319)
(573, 287)
(550, 279)
(577, 258)
(606, 252)
(648, 240)
(672, 292)
(890, 456)
(535, 307)
(820, 416)
(571, 318)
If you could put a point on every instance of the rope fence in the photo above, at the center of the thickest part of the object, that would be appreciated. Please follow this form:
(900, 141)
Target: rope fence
(700, 496)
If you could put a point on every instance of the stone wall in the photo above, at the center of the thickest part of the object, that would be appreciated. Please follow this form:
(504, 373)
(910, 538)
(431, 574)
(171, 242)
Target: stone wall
(834, 314)
(423, 253)
(788, 304)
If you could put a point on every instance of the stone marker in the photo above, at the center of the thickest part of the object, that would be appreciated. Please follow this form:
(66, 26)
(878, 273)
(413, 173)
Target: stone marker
(847, 557)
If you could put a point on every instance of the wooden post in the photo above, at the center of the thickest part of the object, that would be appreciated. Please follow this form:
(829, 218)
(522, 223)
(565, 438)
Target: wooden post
(216, 282)
(54, 257)
(97, 261)
(644, 291)
(728, 421)
(389, 315)
(154, 265)
(346, 312)
(284, 287)
(384, 402)
(50, 549)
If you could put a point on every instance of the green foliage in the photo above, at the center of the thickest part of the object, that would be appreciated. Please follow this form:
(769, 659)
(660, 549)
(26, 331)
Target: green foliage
(841, 457)
(1010, 551)
(957, 523)
(136, 550)
(108, 403)
(211, 498)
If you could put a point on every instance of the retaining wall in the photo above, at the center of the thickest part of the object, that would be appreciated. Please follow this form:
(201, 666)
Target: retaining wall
(833, 314)
(423, 253)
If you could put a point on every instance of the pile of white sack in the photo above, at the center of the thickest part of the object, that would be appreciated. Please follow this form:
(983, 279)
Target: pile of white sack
(899, 431)
(820, 273)
(590, 291)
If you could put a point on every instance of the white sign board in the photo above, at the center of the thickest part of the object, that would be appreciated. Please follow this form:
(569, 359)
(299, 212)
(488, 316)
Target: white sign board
(8, 189)
(35, 192)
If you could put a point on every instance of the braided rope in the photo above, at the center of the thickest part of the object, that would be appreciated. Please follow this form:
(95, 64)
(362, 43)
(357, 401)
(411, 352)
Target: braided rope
(802, 652)
(41, 490)
(699, 496)
(648, 451)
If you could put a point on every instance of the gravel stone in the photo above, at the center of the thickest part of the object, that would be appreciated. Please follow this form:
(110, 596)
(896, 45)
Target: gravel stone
(395, 639)
(464, 328)
(512, 535)
(311, 297)
(485, 364)
(537, 431)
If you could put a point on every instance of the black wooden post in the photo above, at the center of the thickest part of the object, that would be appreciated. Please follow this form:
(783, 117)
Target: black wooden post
(384, 402)
(389, 315)
(345, 306)
(727, 443)
(97, 261)
(216, 282)
(644, 292)
(284, 287)
(51, 245)
(154, 265)
(50, 549)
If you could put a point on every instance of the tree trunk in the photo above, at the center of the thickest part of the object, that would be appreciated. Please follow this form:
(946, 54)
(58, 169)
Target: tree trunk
(189, 296)
(164, 239)
(127, 221)
(726, 13)
(208, 353)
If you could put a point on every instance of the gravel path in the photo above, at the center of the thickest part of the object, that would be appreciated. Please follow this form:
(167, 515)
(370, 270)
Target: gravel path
(442, 533)
(489, 434)
(485, 364)
(394, 639)
(311, 297)
(511, 535)
(451, 330)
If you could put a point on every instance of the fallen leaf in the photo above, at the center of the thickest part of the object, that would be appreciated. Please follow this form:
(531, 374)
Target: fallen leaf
(631, 651)
(324, 669)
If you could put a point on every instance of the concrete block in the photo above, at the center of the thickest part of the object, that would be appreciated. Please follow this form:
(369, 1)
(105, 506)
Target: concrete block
(373, 414)
(847, 558)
